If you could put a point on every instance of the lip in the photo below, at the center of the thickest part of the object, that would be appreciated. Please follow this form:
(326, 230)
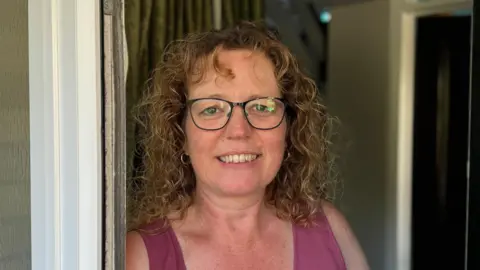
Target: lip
(239, 153)
(240, 165)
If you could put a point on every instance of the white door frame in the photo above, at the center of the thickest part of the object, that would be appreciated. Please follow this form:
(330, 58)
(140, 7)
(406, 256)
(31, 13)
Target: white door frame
(404, 14)
(65, 134)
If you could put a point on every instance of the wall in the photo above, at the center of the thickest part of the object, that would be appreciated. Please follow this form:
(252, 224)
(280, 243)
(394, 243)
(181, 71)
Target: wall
(357, 93)
(14, 138)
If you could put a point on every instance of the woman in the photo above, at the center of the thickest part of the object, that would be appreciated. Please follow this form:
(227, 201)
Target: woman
(236, 162)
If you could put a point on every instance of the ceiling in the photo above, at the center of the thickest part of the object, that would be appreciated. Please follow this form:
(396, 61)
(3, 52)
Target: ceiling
(330, 3)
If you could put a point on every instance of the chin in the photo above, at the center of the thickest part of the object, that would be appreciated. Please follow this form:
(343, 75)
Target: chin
(240, 187)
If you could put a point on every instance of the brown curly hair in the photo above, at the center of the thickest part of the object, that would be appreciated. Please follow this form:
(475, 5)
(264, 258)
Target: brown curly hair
(167, 185)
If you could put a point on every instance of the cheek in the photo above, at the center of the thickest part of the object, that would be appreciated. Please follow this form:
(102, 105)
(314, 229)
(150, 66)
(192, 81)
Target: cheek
(193, 137)
(275, 142)
(199, 145)
(198, 141)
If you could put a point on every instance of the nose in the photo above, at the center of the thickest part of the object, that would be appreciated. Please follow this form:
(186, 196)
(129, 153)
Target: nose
(238, 126)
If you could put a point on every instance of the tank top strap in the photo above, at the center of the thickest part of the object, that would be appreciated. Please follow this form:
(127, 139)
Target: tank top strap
(163, 249)
(316, 247)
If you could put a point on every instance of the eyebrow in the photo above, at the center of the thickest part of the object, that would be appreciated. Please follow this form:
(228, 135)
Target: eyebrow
(224, 97)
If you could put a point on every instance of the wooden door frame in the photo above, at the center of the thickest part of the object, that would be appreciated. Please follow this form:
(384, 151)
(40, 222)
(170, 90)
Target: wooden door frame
(114, 50)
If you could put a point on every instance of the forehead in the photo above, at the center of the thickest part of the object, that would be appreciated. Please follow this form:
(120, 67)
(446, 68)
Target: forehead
(237, 75)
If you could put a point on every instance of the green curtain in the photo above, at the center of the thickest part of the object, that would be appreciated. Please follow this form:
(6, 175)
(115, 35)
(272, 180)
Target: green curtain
(238, 10)
(150, 25)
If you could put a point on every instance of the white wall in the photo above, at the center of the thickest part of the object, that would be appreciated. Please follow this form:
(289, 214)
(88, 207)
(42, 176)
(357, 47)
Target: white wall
(14, 138)
(358, 81)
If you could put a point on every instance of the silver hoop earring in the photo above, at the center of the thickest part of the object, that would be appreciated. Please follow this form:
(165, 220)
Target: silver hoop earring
(183, 158)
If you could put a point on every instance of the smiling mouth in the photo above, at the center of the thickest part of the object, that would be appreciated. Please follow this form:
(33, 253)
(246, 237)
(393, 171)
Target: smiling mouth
(240, 158)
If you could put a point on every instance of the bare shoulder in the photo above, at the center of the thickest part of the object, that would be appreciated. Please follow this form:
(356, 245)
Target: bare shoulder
(351, 249)
(136, 252)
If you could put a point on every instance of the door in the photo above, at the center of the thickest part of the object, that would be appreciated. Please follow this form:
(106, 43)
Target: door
(473, 245)
(440, 142)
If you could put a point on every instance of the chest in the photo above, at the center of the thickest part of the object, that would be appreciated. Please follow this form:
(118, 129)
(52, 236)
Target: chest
(271, 253)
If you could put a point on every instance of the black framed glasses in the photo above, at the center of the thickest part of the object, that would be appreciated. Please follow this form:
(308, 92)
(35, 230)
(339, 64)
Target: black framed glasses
(214, 113)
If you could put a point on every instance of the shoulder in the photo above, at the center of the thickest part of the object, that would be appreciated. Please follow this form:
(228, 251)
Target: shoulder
(152, 246)
(136, 252)
(347, 241)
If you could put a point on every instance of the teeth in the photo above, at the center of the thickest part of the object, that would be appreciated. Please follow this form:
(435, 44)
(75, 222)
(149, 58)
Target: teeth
(238, 158)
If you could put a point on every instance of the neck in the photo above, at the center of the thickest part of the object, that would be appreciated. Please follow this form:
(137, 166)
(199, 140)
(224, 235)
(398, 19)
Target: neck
(234, 217)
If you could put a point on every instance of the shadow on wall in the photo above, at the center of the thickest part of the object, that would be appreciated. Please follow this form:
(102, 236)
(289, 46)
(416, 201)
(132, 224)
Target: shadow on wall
(15, 240)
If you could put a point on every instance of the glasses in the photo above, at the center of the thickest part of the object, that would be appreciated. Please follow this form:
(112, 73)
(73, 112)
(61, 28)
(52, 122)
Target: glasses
(214, 113)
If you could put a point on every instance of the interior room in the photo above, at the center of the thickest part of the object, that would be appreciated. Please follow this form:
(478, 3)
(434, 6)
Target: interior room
(395, 81)
(396, 75)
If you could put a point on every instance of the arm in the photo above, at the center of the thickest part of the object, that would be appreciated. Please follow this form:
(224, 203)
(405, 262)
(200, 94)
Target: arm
(136, 252)
(352, 252)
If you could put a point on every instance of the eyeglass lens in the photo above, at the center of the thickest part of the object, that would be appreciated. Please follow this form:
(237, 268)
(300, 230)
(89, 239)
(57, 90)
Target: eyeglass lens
(262, 113)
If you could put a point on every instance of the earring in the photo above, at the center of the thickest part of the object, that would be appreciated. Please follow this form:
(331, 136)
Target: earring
(183, 158)
(288, 155)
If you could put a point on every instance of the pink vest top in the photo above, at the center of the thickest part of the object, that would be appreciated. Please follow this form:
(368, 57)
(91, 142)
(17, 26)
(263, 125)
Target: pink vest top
(315, 248)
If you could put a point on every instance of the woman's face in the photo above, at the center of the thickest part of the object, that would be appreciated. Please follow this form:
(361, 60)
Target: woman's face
(222, 159)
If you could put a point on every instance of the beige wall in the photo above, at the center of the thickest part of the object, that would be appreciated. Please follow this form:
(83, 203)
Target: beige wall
(357, 93)
(14, 138)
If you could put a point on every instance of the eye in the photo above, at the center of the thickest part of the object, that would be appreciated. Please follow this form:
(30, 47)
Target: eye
(261, 108)
(210, 111)
(268, 108)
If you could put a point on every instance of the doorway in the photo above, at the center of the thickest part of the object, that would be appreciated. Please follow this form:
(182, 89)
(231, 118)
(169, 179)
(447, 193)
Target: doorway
(440, 141)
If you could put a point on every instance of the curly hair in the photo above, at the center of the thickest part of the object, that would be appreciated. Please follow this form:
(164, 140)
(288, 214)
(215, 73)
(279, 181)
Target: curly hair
(167, 185)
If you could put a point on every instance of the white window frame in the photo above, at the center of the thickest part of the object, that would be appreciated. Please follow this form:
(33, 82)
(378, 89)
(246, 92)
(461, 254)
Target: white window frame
(65, 134)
